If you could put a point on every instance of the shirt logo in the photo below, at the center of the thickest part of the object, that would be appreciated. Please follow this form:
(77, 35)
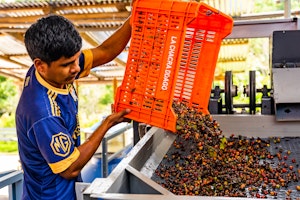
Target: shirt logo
(73, 93)
(26, 81)
(60, 144)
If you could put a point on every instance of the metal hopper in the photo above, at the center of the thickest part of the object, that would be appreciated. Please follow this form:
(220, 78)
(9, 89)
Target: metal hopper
(131, 179)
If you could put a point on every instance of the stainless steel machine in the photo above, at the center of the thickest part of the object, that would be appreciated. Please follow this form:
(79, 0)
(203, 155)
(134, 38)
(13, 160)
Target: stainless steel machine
(280, 117)
(131, 179)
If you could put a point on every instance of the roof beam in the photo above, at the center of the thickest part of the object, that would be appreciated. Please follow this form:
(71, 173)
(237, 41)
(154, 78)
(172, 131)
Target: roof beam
(10, 75)
(110, 27)
(266, 15)
(18, 36)
(7, 58)
(75, 18)
(59, 6)
(120, 62)
(121, 7)
(262, 28)
(97, 25)
(87, 37)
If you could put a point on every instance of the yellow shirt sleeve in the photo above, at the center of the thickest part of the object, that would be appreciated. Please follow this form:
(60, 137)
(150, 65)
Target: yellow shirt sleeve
(62, 165)
(88, 62)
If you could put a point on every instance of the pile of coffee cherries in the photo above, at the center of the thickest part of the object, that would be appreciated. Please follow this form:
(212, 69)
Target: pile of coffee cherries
(203, 162)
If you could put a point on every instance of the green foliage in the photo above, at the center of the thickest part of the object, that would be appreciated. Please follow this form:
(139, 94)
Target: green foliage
(273, 5)
(8, 146)
(8, 101)
(7, 120)
(107, 97)
(94, 103)
(267, 6)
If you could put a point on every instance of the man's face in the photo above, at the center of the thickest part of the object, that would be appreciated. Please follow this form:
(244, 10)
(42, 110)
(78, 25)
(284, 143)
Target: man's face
(60, 72)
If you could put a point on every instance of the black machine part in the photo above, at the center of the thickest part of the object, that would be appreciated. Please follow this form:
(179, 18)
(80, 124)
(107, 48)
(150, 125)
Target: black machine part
(230, 91)
(285, 74)
(285, 49)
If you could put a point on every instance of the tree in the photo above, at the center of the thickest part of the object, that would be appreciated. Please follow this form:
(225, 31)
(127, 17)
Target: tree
(8, 93)
(8, 102)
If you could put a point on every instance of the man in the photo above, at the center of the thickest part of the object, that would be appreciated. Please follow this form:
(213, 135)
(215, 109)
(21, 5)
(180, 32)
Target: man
(47, 114)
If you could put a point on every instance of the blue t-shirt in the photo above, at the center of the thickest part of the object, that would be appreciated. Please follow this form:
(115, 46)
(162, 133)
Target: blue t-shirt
(48, 135)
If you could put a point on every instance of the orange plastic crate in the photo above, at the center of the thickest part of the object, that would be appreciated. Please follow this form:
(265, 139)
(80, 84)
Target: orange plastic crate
(172, 56)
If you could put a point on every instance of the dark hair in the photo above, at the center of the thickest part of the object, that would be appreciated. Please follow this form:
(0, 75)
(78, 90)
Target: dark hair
(52, 37)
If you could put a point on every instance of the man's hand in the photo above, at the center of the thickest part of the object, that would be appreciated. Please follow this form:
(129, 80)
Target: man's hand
(116, 118)
(89, 147)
